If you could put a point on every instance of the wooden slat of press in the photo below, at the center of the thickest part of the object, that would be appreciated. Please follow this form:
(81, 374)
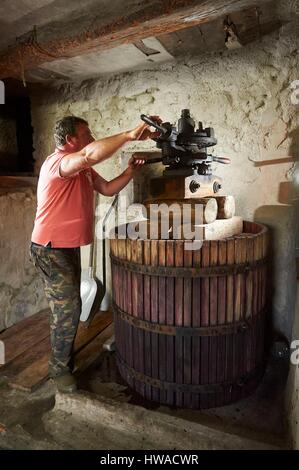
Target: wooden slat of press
(133, 336)
(178, 306)
(147, 316)
(29, 371)
(196, 296)
(205, 319)
(255, 275)
(187, 321)
(255, 301)
(264, 269)
(237, 315)
(237, 281)
(130, 306)
(248, 304)
(260, 339)
(170, 320)
(122, 279)
(213, 340)
(115, 272)
(162, 318)
(229, 372)
(239, 355)
(249, 278)
(155, 318)
(221, 320)
(140, 314)
(116, 296)
(25, 334)
(243, 337)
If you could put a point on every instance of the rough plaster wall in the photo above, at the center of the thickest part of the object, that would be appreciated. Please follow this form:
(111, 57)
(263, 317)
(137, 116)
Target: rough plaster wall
(21, 293)
(243, 94)
(8, 136)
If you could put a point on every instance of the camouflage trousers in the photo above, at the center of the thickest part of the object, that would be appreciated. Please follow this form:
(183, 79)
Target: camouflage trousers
(60, 270)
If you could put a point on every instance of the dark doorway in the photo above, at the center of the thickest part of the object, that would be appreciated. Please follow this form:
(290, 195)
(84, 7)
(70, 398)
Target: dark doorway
(16, 132)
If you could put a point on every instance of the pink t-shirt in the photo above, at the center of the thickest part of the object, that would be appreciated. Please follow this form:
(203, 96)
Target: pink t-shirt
(65, 206)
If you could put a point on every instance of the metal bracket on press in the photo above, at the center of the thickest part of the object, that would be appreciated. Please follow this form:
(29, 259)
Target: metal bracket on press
(185, 331)
(189, 388)
(187, 272)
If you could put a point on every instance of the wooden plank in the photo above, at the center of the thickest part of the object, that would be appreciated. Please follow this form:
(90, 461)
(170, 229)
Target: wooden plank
(87, 355)
(25, 334)
(84, 335)
(33, 376)
(30, 367)
(11, 370)
(36, 374)
(119, 27)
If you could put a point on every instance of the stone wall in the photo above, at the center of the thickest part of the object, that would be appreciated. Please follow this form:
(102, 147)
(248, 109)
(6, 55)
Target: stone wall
(21, 293)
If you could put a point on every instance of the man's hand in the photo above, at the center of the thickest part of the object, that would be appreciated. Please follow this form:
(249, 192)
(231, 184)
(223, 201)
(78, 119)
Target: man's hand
(143, 132)
(135, 164)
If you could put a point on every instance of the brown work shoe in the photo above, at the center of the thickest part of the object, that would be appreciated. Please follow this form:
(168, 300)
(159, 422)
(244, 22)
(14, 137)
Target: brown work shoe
(65, 383)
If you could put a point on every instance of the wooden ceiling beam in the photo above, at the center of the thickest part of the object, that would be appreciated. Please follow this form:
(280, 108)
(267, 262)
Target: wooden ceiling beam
(158, 17)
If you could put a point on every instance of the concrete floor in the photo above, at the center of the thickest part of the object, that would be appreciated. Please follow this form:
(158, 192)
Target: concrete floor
(106, 414)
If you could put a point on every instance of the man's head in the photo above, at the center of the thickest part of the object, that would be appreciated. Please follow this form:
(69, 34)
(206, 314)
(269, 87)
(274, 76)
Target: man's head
(72, 133)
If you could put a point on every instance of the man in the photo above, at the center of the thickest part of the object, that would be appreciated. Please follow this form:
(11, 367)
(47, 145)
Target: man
(64, 222)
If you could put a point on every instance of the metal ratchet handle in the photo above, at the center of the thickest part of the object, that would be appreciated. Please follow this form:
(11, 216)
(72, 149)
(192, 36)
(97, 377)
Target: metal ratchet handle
(153, 160)
(149, 121)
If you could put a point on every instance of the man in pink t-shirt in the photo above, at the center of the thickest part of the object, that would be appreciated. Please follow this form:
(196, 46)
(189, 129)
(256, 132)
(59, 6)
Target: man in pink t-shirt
(64, 222)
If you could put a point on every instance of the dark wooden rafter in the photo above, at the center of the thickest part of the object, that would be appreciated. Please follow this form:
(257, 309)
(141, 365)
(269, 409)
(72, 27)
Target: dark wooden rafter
(152, 20)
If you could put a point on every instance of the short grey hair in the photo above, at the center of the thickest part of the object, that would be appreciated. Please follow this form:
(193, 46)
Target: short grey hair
(66, 126)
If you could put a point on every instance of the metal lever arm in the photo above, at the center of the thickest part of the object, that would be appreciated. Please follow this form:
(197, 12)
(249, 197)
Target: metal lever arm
(224, 160)
(157, 126)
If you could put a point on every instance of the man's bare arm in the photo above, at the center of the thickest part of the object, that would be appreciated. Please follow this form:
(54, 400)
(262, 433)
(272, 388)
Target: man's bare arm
(110, 188)
(100, 150)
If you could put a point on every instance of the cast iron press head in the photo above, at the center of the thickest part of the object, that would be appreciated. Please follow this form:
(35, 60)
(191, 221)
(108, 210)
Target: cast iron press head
(184, 150)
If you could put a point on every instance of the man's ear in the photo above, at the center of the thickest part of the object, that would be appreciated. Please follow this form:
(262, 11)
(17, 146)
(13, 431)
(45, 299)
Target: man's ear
(69, 140)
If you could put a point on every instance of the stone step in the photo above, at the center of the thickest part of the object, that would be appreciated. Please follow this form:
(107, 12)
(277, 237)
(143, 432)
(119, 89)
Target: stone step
(89, 421)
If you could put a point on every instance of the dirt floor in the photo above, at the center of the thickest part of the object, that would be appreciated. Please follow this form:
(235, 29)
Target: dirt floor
(30, 421)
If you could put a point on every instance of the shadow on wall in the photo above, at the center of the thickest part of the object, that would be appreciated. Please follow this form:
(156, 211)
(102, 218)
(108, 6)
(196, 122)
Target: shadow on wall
(282, 279)
(282, 222)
